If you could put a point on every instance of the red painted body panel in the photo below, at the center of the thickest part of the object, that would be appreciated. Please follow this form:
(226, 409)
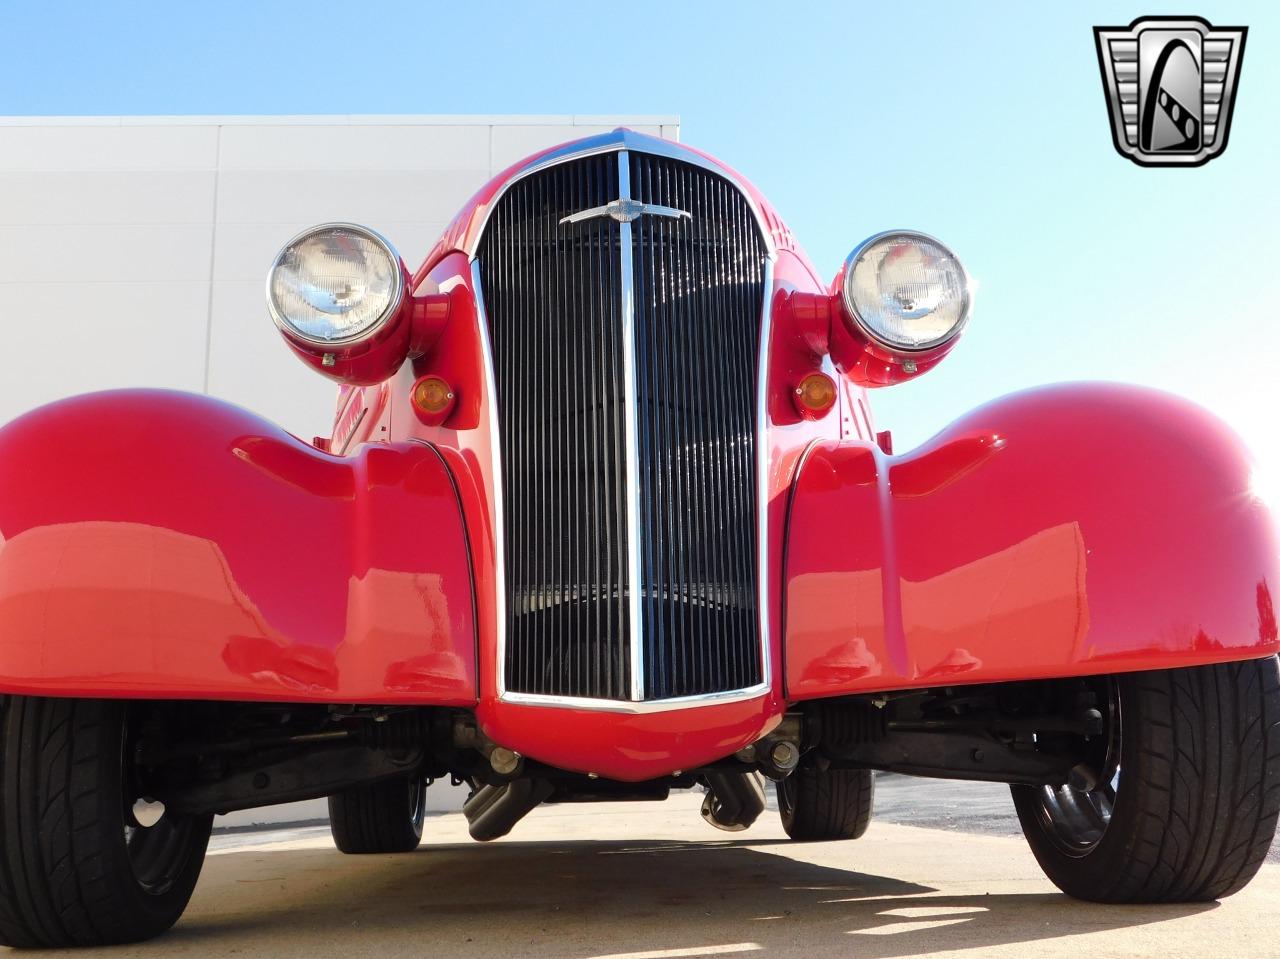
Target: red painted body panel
(1070, 530)
(161, 544)
(630, 747)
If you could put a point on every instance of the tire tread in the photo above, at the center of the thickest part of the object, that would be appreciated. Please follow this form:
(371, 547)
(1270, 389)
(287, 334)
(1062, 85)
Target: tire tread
(373, 819)
(60, 884)
(828, 804)
(1200, 786)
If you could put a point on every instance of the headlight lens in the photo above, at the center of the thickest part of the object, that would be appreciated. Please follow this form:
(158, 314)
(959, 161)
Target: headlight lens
(906, 291)
(334, 284)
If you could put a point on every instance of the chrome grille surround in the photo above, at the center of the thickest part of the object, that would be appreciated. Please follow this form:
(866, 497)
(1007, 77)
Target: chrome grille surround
(622, 144)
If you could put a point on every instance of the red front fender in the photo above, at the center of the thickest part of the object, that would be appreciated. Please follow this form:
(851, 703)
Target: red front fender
(168, 545)
(1064, 531)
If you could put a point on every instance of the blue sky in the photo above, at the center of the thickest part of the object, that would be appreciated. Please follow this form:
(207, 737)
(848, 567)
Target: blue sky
(983, 124)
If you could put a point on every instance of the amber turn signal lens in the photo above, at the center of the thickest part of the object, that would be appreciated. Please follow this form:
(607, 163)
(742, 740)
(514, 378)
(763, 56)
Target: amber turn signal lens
(814, 395)
(433, 398)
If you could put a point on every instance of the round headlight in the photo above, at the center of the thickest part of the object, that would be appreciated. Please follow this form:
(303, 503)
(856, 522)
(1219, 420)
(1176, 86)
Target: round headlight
(906, 291)
(334, 284)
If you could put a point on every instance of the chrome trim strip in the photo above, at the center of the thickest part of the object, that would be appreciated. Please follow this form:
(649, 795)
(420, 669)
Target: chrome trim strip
(619, 139)
(762, 474)
(637, 704)
(495, 486)
(643, 706)
(631, 431)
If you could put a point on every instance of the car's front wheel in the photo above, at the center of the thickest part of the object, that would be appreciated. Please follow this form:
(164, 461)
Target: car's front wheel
(84, 858)
(379, 818)
(1179, 802)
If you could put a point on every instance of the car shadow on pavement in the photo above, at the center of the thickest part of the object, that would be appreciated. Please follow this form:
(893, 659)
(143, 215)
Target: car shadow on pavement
(588, 899)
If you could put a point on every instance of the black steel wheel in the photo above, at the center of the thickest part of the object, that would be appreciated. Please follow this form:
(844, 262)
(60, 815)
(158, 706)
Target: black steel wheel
(379, 818)
(824, 804)
(1178, 800)
(85, 859)
(1076, 815)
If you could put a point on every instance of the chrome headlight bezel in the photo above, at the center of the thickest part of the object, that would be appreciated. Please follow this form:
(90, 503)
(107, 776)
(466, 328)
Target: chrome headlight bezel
(368, 331)
(877, 336)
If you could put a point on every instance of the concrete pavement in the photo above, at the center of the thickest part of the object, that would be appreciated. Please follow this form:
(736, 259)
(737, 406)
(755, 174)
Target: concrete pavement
(652, 881)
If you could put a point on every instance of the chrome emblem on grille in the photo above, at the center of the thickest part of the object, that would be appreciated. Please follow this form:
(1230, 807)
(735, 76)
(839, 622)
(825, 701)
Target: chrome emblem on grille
(1170, 84)
(624, 211)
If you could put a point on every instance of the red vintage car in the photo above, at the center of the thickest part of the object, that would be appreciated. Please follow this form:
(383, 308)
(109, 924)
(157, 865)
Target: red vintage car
(605, 513)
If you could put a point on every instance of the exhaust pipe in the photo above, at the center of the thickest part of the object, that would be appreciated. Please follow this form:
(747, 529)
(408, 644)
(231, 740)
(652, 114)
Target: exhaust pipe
(492, 811)
(735, 800)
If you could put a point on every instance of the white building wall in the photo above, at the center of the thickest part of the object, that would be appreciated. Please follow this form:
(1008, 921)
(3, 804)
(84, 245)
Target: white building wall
(133, 250)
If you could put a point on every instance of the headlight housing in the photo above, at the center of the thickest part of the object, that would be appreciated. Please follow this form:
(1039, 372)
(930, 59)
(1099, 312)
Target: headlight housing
(906, 291)
(335, 285)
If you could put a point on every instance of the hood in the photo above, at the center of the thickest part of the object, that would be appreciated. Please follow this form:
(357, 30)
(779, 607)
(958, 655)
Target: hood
(463, 232)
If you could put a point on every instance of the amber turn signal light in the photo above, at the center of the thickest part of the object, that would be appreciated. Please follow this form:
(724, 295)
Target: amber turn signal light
(815, 395)
(433, 399)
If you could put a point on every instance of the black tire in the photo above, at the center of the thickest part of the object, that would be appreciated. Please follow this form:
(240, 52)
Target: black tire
(380, 818)
(1196, 792)
(75, 869)
(823, 804)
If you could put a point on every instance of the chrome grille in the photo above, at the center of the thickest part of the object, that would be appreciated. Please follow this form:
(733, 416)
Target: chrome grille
(626, 343)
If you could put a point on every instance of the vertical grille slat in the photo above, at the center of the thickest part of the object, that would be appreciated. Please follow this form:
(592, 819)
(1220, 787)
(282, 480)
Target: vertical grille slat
(554, 303)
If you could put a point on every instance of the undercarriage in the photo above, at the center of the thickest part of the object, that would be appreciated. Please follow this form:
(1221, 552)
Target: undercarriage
(203, 758)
